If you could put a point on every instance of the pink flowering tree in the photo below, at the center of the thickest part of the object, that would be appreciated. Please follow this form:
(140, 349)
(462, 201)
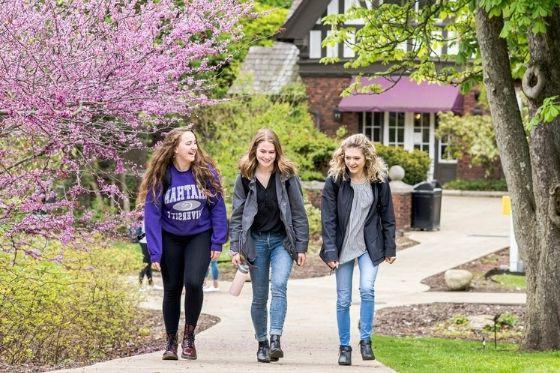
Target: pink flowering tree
(81, 83)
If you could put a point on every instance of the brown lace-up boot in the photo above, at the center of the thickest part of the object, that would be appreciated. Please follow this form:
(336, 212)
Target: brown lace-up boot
(171, 348)
(189, 350)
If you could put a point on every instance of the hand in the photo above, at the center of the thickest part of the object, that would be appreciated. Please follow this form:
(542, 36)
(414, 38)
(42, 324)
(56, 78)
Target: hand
(156, 266)
(301, 259)
(333, 264)
(390, 259)
(214, 255)
(236, 259)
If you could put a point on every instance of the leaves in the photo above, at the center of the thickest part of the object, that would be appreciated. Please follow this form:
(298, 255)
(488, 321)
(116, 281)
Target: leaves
(546, 113)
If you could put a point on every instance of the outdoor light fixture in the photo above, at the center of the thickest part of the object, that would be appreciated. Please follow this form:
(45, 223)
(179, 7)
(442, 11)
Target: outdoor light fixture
(337, 115)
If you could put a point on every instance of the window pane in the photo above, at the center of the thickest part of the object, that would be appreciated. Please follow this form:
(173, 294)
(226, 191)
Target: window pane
(391, 135)
(377, 134)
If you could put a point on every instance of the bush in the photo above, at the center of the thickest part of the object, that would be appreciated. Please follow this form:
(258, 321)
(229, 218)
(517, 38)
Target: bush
(415, 163)
(62, 310)
(479, 184)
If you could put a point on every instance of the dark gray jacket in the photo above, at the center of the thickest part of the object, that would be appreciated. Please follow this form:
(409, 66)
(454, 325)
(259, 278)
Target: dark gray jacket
(379, 229)
(292, 214)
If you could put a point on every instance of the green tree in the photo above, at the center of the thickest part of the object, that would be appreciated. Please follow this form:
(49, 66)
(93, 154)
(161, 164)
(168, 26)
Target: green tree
(491, 41)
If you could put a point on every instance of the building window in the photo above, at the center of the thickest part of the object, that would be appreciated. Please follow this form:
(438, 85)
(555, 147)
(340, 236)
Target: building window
(421, 133)
(396, 129)
(371, 125)
(444, 154)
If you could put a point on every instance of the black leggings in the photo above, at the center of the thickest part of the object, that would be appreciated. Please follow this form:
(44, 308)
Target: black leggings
(184, 262)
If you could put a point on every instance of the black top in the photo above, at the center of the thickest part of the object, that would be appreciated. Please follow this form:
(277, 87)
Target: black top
(267, 219)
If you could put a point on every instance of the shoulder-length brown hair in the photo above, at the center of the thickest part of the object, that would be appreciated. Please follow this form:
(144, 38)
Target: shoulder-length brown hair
(248, 163)
(203, 168)
(375, 168)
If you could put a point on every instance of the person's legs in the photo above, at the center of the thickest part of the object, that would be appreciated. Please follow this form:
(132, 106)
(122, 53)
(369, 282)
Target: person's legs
(368, 273)
(172, 275)
(215, 273)
(281, 267)
(147, 271)
(197, 259)
(260, 284)
(343, 301)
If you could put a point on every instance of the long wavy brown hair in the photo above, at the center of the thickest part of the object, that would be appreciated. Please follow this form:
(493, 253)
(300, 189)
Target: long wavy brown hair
(162, 158)
(374, 168)
(248, 163)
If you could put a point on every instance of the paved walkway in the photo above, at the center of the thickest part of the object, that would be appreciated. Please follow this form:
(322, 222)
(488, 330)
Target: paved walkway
(471, 228)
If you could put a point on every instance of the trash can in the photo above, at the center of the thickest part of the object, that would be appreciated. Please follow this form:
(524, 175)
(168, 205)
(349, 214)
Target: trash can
(426, 205)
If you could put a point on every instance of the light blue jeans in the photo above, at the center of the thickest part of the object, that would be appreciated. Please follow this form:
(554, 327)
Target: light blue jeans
(368, 273)
(274, 262)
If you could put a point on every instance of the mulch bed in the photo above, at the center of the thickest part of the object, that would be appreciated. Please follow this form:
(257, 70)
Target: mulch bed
(437, 320)
(314, 266)
(150, 342)
(482, 269)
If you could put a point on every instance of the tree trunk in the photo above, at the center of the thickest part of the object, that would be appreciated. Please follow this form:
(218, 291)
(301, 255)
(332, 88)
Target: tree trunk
(543, 311)
(532, 172)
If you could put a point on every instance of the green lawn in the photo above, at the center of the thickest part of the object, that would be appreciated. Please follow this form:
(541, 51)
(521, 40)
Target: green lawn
(436, 355)
(511, 281)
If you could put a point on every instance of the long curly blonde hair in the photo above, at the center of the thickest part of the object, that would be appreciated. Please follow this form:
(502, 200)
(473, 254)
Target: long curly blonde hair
(248, 163)
(162, 158)
(375, 168)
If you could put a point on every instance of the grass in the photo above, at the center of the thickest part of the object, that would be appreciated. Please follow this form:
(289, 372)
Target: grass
(410, 354)
(511, 281)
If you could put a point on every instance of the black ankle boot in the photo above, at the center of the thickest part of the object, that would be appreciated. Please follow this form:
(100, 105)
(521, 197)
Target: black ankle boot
(263, 353)
(275, 348)
(366, 350)
(171, 348)
(345, 355)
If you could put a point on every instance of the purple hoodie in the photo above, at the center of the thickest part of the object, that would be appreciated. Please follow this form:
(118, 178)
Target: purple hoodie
(184, 210)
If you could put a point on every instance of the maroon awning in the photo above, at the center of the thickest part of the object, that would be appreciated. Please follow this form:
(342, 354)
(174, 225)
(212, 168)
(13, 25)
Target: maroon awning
(406, 95)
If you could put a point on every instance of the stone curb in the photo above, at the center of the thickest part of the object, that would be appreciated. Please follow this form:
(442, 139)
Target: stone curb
(474, 193)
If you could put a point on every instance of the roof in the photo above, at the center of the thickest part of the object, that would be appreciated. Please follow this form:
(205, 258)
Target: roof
(302, 16)
(269, 69)
(406, 95)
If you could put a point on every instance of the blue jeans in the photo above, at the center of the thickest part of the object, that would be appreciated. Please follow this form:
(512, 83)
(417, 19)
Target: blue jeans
(368, 273)
(213, 270)
(270, 254)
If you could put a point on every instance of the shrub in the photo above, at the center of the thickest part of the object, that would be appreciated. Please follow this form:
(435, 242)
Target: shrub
(59, 310)
(478, 184)
(415, 163)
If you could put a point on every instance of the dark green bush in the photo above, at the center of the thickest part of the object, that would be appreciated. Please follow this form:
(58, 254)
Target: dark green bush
(415, 163)
(71, 309)
(478, 184)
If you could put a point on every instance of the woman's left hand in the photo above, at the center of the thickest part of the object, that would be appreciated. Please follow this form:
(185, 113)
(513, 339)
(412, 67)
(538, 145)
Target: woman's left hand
(390, 259)
(214, 255)
(300, 259)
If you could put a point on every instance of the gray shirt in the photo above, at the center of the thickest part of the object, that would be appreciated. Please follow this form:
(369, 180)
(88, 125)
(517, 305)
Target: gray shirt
(354, 244)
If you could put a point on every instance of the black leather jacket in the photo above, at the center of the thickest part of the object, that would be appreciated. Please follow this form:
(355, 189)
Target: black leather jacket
(379, 229)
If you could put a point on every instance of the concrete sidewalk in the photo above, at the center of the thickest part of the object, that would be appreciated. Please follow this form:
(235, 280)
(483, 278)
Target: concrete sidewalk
(471, 228)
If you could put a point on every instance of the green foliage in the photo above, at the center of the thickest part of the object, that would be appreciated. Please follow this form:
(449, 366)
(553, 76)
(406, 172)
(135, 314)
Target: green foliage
(314, 219)
(71, 309)
(478, 184)
(415, 163)
(412, 354)
(276, 3)
(230, 126)
(548, 111)
(460, 319)
(471, 135)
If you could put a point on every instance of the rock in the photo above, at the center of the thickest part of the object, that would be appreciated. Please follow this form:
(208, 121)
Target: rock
(478, 322)
(458, 279)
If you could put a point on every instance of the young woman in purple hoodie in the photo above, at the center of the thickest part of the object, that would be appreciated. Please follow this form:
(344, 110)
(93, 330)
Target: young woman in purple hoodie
(186, 225)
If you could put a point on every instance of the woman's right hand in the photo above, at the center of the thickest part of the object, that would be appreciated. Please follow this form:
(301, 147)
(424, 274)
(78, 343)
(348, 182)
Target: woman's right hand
(236, 259)
(156, 266)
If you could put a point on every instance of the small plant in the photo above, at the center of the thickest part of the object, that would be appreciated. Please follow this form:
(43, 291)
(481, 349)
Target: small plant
(507, 320)
(460, 319)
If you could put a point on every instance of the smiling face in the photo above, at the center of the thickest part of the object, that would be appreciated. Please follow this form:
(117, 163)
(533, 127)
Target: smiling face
(266, 154)
(185, 152)
(355, 161)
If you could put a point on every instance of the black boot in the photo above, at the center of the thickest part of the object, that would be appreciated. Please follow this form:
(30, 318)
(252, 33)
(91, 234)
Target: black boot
(275, 348)
(366, 350)
(171, 348)
(345, 355)
(263, 353)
